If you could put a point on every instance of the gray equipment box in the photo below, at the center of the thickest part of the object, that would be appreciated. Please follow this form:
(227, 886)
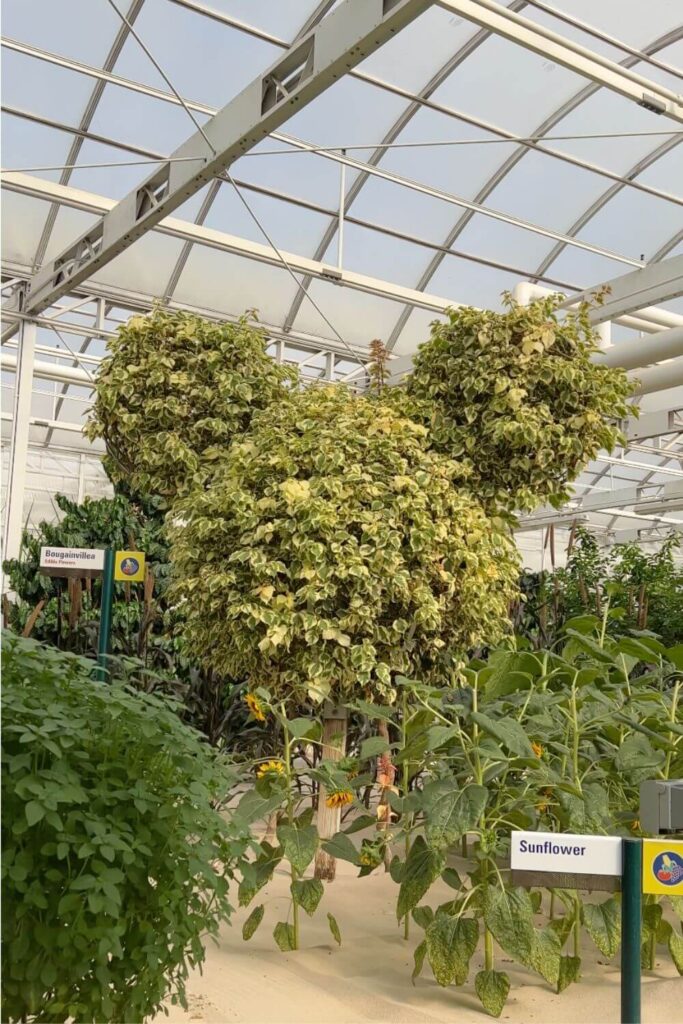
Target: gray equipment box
(661, 806)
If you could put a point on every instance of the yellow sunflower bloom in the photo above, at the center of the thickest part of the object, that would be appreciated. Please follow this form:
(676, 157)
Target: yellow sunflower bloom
(339, 798)
(270, 767)
(537, 749)
(255, 707)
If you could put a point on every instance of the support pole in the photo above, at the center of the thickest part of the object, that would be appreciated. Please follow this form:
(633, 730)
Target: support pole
(631, 901)
(18, 455)
(104, 645)
(342, 205)
(329, 818)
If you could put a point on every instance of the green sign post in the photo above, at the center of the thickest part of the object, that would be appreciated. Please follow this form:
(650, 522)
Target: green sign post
(104, 645)
(631, 909)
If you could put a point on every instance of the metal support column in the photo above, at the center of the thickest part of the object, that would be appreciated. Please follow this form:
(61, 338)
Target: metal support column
(18, 455)
(631, 900)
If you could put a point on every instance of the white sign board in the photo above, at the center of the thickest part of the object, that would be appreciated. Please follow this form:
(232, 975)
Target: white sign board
(71, 561)
(559, 852)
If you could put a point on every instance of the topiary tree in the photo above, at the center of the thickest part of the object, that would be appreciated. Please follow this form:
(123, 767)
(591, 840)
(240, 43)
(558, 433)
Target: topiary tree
(174, 392)
(333, 550)
(516, 397)
(116, 861)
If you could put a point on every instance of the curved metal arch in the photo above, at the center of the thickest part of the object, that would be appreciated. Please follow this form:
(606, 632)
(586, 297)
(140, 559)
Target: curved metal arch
(602, 201)
(397, 127)
(566, 108)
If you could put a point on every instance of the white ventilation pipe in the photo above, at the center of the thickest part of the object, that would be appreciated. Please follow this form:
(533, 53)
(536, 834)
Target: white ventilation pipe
(644, 351)
(659, 378)
(52, 371)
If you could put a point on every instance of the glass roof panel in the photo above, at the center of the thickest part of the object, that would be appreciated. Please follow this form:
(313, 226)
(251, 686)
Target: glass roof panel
(282, 19)
(411, 58)
(33, 145)
(192, 53)
(79, 29)
(530, 88)
(43, 88)
(227, 284)
(290, 227)
(145, 267)
(142, 120)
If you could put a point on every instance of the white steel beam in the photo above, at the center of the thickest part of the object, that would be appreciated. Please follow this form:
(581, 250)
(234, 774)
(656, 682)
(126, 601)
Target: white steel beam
(342, 40)
(186, 230)
(568, 54)
(16, 476)
(653, 424)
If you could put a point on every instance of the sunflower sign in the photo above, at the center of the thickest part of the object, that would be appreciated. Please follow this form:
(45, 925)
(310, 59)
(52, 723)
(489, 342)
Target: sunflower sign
(663, 867)
(129, 566)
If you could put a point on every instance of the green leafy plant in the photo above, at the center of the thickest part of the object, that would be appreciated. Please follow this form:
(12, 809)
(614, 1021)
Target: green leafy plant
(115, 859)
(516, 397)
(173, 393)
(333, 551)
(551, 741)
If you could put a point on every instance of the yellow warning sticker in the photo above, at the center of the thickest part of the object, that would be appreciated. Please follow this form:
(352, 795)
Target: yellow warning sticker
(663, 866)
(129, 566)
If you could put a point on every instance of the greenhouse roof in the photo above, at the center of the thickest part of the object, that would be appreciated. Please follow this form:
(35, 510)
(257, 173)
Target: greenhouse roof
(391, 158)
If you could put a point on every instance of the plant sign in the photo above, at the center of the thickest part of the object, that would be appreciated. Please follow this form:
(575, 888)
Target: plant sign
(568, 858)
(663, 867)
(80, 562)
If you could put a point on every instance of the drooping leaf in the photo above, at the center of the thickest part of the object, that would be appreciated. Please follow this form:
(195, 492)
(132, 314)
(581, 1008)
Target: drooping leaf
(283, 934)
(545, 954)
(258, 873)
(422, 916)
(451, 812)
(451, 942)
(341, 847)
(358, 824)
(307, 893)
(570, 969)
(373, 747)
(422, 866)
(299, 845)
(419, 959)
(334, 928)
(509, 916)
(676, 949)
(452, 878)
(603, 924)
(252, 922)
(492, 987)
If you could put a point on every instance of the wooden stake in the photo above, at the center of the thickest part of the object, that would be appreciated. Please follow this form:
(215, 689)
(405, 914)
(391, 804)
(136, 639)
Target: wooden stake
(329, 818)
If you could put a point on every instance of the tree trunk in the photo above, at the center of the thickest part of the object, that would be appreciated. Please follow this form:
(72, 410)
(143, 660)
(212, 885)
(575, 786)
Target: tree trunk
(329, 818)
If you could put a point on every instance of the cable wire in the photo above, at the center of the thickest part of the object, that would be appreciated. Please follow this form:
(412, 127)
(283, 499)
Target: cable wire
(165, 77)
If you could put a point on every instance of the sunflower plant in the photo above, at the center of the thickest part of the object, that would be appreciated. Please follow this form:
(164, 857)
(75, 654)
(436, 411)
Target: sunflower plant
(555, 740)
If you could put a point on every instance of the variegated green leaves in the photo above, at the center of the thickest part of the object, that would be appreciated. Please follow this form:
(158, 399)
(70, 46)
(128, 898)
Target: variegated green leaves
(173, 393)
(516, 396)
(332, 551)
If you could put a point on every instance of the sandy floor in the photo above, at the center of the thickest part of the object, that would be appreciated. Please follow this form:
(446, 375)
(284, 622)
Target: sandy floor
(368, 977)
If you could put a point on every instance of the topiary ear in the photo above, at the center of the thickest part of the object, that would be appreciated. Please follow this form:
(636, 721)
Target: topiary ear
(518, 397)
(174, 390)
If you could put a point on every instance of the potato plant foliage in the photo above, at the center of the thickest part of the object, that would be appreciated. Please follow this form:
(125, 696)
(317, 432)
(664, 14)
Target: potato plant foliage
(333, 550)
(114, 862)
(516, 396)
(174, 391)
